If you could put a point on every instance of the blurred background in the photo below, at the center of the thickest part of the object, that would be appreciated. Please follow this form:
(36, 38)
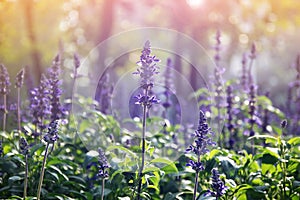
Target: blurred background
(32, 32)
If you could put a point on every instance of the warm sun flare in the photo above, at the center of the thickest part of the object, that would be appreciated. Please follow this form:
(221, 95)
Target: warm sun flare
(195, 3)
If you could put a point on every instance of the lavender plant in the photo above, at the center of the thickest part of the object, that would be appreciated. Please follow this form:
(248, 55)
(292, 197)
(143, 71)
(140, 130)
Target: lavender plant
(18, 84)
(252, 57)
(50, 138)
(219, 189)
(57, 110)
(24, 148)
(75, 75)
(244, 77)
(202, 141)
(218, 86)
(252, 110)
(104, 93)
(103, 170)
(229, 123)
(147, 69)
(40, 105)
(168, 84)
(4, 90)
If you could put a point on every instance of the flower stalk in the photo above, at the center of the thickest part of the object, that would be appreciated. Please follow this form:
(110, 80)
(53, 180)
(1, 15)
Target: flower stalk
(4, 90)
(24, 150)
(50, 138)
(202, 142)
(147, 69)
(19, 84)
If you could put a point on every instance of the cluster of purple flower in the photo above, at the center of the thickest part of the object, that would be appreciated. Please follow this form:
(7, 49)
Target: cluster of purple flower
(147, 69)
(24, 147)
(219, 189)
(103, 165)
(4, 80)
(52, 134)
(202, 141)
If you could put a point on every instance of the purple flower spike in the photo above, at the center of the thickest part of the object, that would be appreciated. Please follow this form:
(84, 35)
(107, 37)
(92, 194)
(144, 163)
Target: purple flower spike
(219, 189)
(103, 165)
(52, 135)
(147, 66)
(4, 80)
(57, 111)
(20, 78)
(202, 142)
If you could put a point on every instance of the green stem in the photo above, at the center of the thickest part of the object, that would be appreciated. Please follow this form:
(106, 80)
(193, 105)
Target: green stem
(26, 176)
(42, 173)
(143, 145)
(102, 189)
(195, 186)
(196, 180)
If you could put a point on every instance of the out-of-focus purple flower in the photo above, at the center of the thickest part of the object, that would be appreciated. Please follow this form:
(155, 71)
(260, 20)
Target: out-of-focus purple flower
(20, 78)
(218, 47)
(103, 165)
(219, 189)
(76, 61)
(24, 147)
(40, 106)
(283, 124)
(244, 76)
(52, 134)
(252, 57)
(218, 83)
(57, 110)
(104, 93)
(168, 84)
(253, 51)
(202, 142)
(147, 66)
(4, 80)
(252, 108)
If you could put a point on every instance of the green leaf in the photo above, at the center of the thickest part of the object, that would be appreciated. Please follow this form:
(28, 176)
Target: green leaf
(150, 169)
(294, 141)
(170, 196)
(14, 179)
(124, 198)
(59, 172)
(268, 138)
(169, 167)
(121, 148)
(37, 148)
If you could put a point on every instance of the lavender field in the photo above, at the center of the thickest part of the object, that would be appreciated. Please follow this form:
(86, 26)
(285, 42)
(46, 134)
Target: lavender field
(149, 100)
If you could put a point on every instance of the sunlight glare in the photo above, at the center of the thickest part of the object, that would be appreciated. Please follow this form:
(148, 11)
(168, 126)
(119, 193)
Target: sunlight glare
(195, 3)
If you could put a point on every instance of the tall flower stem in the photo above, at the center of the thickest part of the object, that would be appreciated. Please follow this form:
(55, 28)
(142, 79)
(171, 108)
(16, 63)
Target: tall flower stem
(18, 84)
(143, 145)
(24, 147)
(102, 189)
(42, 173)
(26, 177)
(196, 180)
